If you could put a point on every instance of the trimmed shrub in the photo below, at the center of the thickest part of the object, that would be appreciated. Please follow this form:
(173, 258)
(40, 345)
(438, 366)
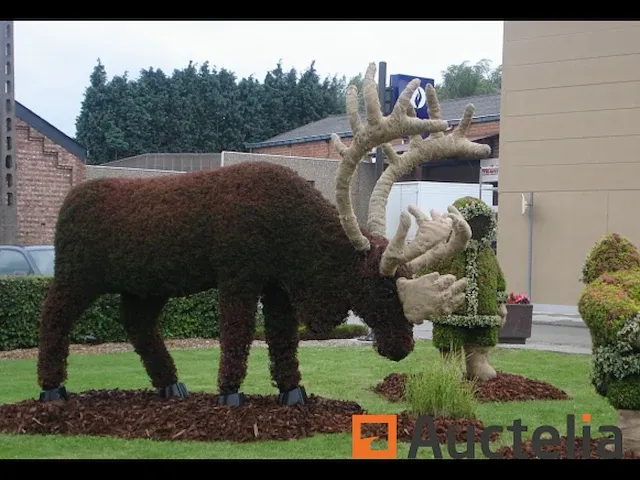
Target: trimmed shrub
(195, 316)
(611, 254)
(608, 302)
(440, 390)
(610, 307)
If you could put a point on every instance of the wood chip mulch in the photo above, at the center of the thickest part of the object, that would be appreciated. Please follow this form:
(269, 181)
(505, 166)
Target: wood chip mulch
(132, 414)
(505, 387)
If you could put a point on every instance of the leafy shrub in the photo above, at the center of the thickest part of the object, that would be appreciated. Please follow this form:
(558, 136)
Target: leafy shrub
(441, 390)
(608, 302)
(611, 254)
(195, 316)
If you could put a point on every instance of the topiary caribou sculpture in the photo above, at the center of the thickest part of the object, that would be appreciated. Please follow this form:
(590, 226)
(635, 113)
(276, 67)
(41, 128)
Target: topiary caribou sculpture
(258, 230)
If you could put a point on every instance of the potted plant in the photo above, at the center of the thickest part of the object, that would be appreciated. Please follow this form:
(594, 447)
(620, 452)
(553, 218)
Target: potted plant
(519, 319)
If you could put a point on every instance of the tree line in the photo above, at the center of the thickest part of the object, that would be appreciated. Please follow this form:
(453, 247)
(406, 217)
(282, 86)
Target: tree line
(201, 109)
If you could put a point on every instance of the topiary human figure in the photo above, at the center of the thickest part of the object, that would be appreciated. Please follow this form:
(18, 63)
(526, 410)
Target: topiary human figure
(610, 306)
(473, 327)
(257, 231)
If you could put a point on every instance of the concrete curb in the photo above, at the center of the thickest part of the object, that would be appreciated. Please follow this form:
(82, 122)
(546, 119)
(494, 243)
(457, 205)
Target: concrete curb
(560, 322)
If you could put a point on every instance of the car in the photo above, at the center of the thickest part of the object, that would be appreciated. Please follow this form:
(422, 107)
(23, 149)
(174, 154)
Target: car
(27, 260)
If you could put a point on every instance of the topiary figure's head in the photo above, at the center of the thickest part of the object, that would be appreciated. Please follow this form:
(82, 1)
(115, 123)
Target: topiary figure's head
(480, 218)
(611, 254)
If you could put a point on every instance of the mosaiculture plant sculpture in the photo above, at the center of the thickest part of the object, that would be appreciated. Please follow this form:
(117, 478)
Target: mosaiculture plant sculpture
(473, 328)
(257, 231)
(610, 307)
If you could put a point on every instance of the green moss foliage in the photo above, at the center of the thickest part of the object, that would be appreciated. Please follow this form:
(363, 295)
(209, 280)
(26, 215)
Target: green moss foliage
(612, 253)
(446, 337)
(474, 322)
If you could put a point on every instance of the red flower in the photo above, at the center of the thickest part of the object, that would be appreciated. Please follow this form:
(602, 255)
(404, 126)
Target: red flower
(518, 298)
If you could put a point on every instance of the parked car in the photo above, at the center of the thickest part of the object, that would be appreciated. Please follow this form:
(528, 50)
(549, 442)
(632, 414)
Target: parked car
(27, 260)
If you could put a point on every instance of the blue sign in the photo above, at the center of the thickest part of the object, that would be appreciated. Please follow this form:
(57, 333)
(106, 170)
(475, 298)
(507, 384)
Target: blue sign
(419, 99)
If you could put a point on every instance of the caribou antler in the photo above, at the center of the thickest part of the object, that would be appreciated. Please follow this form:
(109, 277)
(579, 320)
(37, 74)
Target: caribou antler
(436, 146)
(378, 130)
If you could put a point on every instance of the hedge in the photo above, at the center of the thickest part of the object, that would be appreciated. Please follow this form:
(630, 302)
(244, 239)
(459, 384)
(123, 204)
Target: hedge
(195, 316)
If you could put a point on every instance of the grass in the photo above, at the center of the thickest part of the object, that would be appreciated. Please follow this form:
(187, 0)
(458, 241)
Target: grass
(437, 390)
(337, 372)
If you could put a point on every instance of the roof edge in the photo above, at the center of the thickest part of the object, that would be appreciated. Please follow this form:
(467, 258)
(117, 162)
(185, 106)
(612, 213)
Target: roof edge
(54, 134)
(316, 138)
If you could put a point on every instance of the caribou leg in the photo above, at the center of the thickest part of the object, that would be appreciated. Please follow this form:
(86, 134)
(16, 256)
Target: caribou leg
(237, 327)
(63, 305)
(281, 331)
(140, 317)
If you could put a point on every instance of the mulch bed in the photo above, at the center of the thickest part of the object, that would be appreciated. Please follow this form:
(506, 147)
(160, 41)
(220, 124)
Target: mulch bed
(505, 387)
(594, 450)
(143, 414)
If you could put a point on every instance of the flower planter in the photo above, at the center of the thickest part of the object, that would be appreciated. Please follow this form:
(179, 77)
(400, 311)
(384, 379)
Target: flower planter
(517, 326)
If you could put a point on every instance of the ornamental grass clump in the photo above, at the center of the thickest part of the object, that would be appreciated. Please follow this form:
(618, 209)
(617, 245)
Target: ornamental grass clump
(441, 390)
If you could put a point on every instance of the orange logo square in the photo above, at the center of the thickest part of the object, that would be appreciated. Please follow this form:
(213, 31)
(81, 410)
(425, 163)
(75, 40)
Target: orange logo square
(361, 447)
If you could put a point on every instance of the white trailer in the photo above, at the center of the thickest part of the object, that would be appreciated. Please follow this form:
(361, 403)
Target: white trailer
(427, 196)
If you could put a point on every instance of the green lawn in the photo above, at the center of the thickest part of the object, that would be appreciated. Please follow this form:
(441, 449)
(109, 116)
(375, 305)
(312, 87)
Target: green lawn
(336, 372)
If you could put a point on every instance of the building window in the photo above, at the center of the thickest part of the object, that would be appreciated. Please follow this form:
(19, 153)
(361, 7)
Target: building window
(8, 161)
(9, 180)
(7, 31)
(9, 199)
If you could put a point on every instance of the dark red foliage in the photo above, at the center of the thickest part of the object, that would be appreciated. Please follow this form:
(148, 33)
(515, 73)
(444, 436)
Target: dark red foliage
(199, 418)
(249, 230)
(505, 387)
(595, 448)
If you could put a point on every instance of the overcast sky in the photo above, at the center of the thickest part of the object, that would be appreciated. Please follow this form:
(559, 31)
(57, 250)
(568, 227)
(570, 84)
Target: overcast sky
(53, 59)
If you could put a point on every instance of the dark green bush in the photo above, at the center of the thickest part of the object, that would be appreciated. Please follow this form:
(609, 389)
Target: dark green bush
(624, 394)
(195, 316)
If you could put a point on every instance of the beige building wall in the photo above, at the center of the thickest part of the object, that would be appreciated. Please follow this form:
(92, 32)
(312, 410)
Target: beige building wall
(570, 134)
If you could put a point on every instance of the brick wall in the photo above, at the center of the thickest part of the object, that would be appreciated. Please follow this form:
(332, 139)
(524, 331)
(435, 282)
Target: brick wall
(45, 173)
